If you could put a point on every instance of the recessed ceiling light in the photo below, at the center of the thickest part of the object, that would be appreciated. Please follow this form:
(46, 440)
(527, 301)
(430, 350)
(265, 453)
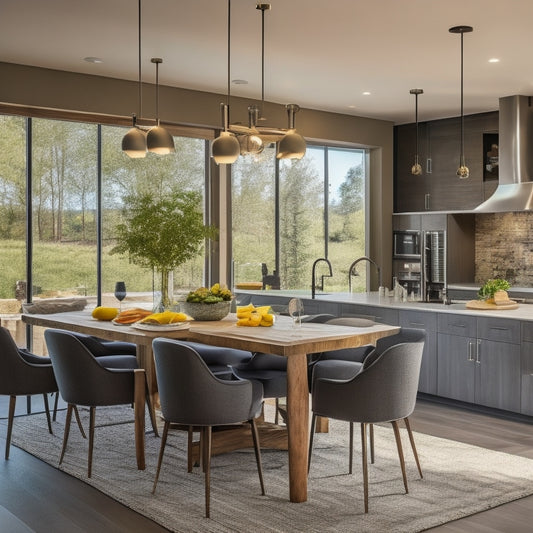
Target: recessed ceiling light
(494, 60)
(240, 82)
(367, 93)
(91, 59)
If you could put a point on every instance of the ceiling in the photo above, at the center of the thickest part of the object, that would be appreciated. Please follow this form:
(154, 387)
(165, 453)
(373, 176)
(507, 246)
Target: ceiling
(319, 54)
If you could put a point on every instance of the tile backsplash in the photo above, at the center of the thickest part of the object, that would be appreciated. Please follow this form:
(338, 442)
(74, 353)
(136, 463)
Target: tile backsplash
(504, 248)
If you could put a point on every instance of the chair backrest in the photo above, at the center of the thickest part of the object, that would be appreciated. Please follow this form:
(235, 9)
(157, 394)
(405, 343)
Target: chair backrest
(81, 379)
(384, 390)
(190, 394)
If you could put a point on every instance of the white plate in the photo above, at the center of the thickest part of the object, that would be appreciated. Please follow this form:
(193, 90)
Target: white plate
(160, 327)
(120, 323)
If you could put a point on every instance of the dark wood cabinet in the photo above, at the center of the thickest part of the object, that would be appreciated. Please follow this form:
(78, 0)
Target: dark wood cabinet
(439, 151)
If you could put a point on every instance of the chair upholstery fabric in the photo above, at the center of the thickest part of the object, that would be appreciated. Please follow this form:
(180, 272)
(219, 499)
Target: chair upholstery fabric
(385, 390)
(81, 379)
(191, 394)
(23, 373)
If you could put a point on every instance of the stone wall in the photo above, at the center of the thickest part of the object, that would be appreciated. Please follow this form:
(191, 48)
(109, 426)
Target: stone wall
(504, 248)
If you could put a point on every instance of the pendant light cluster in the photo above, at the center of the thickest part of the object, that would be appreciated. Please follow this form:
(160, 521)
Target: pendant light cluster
(253, 138)
(463, 172)
(416, 169)
(138, 141)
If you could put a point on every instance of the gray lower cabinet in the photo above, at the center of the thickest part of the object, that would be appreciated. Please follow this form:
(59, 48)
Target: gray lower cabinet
(526, 369)
(428, 322)
(384, 315)
(479, 360)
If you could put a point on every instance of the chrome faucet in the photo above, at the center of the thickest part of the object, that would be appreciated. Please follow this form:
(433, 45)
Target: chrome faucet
(352, 266)
(314, 285)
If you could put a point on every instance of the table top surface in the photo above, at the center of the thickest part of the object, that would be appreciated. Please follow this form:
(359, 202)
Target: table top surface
(282, 338)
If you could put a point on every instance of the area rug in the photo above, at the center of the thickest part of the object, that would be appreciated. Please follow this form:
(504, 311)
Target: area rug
(459, 480)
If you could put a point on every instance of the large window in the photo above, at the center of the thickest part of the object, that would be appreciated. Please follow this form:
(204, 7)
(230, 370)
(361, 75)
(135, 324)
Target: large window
(287, 214)
(78, 178)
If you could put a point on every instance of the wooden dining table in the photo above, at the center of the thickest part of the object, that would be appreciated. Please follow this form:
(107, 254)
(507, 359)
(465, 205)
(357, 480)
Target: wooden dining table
(283, 338)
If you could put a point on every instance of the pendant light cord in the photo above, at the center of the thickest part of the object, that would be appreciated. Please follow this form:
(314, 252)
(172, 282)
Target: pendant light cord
(140, 104)
(462, 112)
(157, 92)
(229, 53)
(262, 62)
(416, 120)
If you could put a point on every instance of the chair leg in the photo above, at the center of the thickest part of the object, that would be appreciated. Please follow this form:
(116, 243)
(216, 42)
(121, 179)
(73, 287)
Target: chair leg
(365, 465)
(78, 420)
(311, 435)
(371, 443)
(350, 468)
(257, 449)
(68, 419)
(56, 401)
(92, 410)
(276, 414)
(189, 449)
(151, 411)
(400, 452)
(206, 448)
(47, 411)
(161, 452)
(413, 447)
(10, 417)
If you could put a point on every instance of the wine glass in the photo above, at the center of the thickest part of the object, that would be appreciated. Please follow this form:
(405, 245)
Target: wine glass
(296, 309)
(120, 293)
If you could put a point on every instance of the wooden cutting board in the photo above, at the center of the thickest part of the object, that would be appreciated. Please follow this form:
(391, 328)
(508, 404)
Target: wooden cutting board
(482, 304)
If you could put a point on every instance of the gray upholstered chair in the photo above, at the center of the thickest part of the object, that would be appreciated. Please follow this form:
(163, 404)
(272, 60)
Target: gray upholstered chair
(191, 395)
(384, 390)
(83, 381)
(23, 373)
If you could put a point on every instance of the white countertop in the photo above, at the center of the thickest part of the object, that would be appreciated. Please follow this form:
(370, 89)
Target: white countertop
(524, 311)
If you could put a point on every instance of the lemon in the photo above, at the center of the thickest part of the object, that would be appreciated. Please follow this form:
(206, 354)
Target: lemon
(104, 313)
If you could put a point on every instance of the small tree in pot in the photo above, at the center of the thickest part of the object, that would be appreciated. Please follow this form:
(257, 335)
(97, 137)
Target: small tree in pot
(162, 233)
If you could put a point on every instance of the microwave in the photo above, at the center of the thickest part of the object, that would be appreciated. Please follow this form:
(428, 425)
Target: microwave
(406, 244)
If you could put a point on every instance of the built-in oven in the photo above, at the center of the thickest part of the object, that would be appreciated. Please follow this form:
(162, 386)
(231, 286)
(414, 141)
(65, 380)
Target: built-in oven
(406, 244)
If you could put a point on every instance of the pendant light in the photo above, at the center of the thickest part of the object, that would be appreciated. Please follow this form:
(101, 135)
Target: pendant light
(292, 145)
(158, 140)
(134, 142)
(225, 148)
(462, 171)
(416, 169)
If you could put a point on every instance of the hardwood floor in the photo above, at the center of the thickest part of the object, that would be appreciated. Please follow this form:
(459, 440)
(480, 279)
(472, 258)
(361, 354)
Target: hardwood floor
(37, 498)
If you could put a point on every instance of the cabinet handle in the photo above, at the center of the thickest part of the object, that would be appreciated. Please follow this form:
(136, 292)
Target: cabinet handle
(478, 352)
(499, 328)
(428, 165)
(470, 356)
(426, 201)
(417, 324)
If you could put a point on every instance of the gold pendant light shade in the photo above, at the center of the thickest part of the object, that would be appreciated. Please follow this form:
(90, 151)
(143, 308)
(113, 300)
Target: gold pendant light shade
(225, 148)
(292, 145)
(159, 141)
(134, 142)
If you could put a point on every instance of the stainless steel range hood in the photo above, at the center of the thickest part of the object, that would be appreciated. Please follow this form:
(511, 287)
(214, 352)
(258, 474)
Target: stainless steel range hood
(515, 185)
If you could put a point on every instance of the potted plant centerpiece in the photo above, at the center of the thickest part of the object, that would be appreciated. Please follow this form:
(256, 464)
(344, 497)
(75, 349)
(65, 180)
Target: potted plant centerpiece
(162, 233)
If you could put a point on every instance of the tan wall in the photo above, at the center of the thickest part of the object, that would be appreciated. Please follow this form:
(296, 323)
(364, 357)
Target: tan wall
(45, 88)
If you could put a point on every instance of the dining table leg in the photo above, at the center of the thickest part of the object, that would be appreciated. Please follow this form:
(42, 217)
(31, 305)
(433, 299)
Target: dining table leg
(145, 359)
(298, 425)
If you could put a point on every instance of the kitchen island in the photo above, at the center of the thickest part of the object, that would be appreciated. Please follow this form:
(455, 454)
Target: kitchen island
(481, 357)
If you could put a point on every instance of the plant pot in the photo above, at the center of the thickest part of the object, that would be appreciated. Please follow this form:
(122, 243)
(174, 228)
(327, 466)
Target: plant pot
(202, 311)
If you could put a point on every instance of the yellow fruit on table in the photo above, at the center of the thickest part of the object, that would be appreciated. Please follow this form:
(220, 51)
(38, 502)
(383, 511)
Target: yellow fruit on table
(104, 313)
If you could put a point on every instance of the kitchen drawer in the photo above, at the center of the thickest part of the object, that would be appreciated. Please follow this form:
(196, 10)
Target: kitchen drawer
(462, 325)
(384, 315)
(418, 320)
(499, 329)
(527, 331)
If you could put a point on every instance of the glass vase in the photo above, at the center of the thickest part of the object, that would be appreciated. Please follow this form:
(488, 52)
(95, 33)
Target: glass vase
(164, 300)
